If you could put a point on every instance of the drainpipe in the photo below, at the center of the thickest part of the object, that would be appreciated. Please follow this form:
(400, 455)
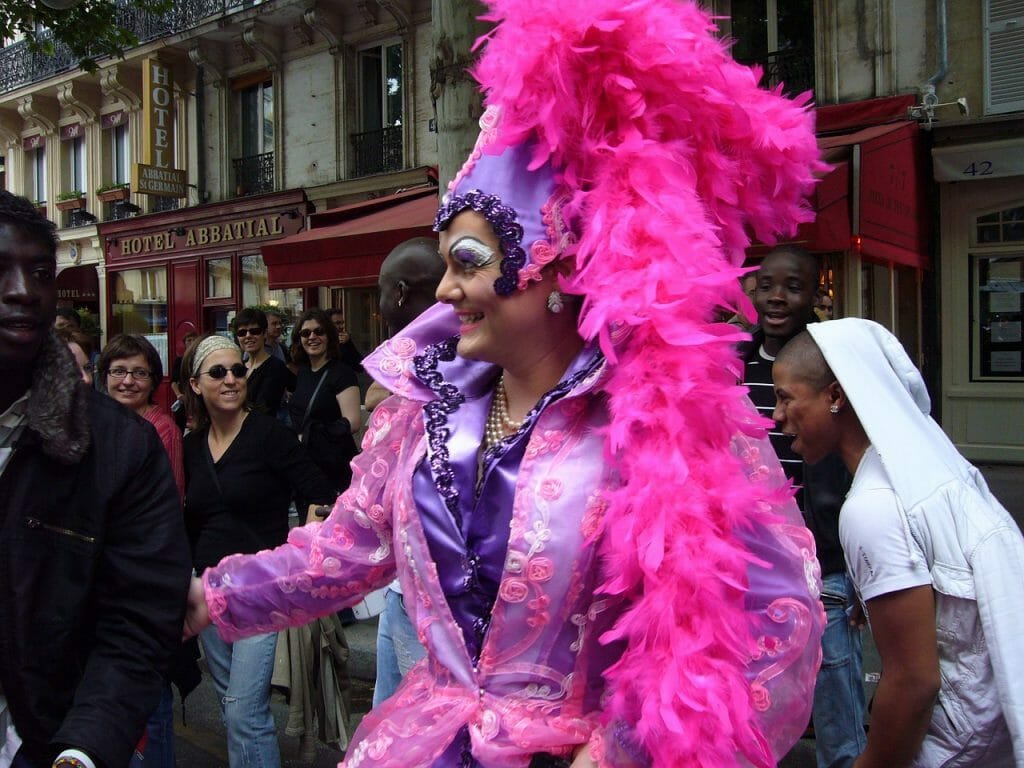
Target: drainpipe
(201, 135)
(928, 95)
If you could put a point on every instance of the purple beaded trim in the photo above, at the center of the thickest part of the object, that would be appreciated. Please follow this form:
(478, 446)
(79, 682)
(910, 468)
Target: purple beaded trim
(437, 412)
(505, 223)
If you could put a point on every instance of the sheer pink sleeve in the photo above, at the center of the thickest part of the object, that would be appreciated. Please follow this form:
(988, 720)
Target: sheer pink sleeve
(323, 566)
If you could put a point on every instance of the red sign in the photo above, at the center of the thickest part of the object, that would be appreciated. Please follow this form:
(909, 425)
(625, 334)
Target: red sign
(113, 119)
(73, 131)
(34, 142)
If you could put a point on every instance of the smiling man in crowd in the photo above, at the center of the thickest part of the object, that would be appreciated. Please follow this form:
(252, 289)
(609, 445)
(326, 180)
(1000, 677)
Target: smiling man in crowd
(94, 564)
(784, 296)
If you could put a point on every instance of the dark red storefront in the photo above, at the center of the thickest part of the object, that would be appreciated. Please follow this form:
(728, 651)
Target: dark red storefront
(193, 268)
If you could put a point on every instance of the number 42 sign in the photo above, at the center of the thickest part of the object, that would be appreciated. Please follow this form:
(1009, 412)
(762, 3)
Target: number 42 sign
(991, 160)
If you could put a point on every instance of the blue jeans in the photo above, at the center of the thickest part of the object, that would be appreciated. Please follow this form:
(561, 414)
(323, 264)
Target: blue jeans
(159, 751)
(839, 690)
(398, 647)
(241, 675)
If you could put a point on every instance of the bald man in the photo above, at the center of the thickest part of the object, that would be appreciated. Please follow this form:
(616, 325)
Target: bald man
(408, 280)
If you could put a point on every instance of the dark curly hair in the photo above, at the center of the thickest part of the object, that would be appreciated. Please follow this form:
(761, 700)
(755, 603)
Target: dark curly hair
(322, 319)
(20, 213)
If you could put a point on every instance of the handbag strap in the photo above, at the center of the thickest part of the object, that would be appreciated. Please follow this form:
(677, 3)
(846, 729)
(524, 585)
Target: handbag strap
(312, 399)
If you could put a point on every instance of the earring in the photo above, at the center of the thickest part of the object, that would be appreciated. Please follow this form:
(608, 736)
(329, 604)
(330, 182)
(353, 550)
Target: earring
(555, 303)
(401, 300)
(833, 409)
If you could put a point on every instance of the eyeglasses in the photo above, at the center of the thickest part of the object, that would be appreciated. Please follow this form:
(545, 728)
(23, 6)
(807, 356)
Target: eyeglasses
(243, 332)
(307, 332)
(139, 374)
(238, 370)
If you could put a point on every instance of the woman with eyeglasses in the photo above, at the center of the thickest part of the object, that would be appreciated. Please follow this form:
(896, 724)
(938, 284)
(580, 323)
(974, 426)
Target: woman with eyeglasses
(242, 469)
(266, 377)
(130, 368)
(324, 408)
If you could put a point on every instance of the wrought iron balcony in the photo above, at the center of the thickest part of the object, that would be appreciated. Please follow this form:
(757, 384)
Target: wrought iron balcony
(377, 151)
(254, 175)
(20, 67)
(793, 68)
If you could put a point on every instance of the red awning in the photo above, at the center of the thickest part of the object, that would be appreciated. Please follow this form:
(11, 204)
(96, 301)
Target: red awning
(873, 199)
(79, 285)
(349, 250)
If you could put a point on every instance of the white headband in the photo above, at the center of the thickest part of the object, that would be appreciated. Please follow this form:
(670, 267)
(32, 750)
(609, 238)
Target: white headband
(208, 345)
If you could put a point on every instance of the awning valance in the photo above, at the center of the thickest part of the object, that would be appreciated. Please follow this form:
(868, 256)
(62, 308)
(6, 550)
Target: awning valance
(873, 199)
(349, 253)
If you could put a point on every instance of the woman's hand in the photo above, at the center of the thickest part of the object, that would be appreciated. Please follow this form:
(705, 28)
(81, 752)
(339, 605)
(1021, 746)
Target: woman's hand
(197, 614)
(583, 758)
(317, 513)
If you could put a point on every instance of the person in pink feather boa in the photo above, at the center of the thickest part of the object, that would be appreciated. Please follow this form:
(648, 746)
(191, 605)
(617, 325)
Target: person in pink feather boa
(595, 541)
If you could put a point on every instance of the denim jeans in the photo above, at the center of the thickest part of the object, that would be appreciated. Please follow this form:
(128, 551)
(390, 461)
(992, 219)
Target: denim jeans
(159, 751)
(839, 690)
(241, 675)
(398, 647)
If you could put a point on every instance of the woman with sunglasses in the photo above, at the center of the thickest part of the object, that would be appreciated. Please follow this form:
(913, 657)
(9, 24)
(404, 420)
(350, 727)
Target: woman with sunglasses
(267, 377)
(242, 469)
(324, 408)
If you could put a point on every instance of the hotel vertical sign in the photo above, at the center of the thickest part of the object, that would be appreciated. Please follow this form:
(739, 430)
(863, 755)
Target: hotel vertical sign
(156, 174)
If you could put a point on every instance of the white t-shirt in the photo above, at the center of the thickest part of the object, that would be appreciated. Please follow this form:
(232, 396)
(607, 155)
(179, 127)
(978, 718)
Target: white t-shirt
(872, 532)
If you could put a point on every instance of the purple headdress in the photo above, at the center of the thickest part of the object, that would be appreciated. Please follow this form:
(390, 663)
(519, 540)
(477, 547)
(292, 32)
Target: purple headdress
(621, 137)
(522, 203)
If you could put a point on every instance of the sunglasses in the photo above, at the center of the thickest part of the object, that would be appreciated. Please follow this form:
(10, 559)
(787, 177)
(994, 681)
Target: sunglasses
(218, 372)
(243, 332)
(307, 332)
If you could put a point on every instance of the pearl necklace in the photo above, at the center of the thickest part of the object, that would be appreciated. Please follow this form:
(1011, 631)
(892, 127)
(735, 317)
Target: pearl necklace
(499, 425)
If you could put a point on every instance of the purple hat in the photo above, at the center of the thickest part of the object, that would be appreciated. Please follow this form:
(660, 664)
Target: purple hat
(522, 203)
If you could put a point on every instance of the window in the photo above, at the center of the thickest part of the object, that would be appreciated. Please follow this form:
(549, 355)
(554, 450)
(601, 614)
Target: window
(256, 290)
(140, 306)
(997, 285)
(378, 148)
(257, 119)
(1004, 67)
(254, 170)
(218, 278)
(779, 36)
(120, 155)
(73, 171)
(35, 173)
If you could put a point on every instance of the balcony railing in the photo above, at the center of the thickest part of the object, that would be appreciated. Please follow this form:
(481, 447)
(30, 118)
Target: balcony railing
(254, 175)
(377, 151)
(793, 68)
(20, 67)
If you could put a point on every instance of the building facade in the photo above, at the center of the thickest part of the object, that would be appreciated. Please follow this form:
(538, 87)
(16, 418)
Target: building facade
(230, 113)
(921, 223)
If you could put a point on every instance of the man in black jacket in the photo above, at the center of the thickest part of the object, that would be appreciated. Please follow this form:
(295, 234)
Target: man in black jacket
(94, 564)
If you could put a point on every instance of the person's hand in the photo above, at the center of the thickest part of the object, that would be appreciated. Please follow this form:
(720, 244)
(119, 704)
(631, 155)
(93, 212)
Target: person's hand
(317, 513)
(197, 614)
(857, 617)
(583, 758)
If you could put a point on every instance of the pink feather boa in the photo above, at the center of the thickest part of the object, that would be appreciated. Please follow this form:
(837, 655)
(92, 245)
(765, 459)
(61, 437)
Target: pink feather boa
(674, 155)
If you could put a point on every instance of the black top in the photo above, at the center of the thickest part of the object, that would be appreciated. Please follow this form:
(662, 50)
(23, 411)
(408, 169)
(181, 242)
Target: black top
(821, 487)
(325, 410)
(351, 356)
(258, 473)
(266, 385)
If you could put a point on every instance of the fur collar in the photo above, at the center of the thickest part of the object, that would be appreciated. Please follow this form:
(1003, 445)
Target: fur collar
(57, 412)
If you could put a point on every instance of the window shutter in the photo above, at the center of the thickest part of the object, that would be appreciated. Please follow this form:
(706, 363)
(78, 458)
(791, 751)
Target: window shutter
(1004, 65)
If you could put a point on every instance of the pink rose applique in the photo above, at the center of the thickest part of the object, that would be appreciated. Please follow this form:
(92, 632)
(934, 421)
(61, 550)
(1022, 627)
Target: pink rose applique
(513, 590)
(540, 569)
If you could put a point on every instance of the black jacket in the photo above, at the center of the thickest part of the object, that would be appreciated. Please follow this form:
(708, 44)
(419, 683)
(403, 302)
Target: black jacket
(94, 570)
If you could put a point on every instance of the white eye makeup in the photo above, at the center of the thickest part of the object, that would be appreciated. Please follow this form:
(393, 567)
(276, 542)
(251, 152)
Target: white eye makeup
(471, 253)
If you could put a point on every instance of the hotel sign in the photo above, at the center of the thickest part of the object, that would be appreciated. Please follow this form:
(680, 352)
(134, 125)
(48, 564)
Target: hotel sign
(214, 234)
(156, 174)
